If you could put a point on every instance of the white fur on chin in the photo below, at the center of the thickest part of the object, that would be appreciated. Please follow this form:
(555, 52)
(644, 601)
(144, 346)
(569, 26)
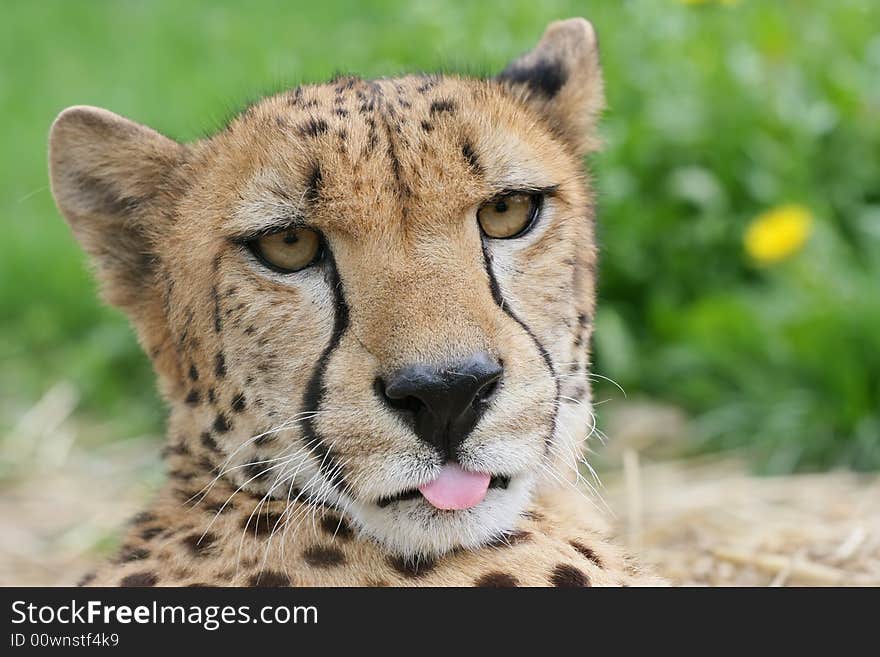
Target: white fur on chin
(414, 529)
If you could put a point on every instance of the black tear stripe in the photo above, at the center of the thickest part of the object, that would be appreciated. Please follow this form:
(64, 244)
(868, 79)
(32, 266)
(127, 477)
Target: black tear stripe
(545, 355)
(315, 389)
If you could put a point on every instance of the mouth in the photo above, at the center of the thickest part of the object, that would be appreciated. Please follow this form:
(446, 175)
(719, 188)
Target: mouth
(455, 489)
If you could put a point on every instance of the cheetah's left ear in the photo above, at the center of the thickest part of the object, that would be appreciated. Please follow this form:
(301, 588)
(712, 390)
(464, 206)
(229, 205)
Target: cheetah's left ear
(562, 79)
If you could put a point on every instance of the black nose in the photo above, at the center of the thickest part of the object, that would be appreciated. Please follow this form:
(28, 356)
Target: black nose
(446, 402)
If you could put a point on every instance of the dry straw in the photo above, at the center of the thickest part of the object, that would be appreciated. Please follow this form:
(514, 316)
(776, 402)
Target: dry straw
(708, 522)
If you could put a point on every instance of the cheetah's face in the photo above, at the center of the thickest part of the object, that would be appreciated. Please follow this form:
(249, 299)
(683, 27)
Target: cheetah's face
(374, 294)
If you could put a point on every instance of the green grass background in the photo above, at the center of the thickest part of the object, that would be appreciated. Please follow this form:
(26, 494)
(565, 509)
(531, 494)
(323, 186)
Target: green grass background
(716, 113)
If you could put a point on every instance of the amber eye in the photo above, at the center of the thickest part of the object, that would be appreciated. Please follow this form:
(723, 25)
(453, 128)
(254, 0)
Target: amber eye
(508, 216)
(288, 250)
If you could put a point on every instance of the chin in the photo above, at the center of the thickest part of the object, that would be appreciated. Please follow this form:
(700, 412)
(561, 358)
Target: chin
(413, 529)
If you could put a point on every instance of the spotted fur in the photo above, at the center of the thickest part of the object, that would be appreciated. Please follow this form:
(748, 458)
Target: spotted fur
(283, 465)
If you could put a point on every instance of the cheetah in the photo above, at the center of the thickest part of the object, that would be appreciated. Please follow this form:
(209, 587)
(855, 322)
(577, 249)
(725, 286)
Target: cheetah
(369, 306)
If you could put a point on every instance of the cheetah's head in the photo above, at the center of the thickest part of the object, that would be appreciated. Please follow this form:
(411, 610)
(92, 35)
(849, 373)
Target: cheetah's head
(375, 294)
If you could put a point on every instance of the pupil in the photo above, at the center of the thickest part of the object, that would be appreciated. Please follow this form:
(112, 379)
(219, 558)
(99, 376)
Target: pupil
(290, 238)
(501, 206)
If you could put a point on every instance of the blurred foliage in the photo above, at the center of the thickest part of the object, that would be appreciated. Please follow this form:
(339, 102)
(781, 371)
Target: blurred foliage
(718, 112)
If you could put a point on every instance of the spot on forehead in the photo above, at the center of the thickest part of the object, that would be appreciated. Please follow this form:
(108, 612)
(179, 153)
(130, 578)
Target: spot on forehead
(427, 85)
(344, 81)
(294, 97)
(313, 184)
(440, 106)
(312, 128)
(473, 162)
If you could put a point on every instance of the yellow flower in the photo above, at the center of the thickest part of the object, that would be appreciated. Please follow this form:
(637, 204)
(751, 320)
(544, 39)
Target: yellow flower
(778, 233)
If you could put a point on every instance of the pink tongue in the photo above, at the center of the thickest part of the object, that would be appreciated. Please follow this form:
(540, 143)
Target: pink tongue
(456, 488)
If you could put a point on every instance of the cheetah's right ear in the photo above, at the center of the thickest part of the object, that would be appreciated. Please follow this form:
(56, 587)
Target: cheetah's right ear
(115, 183)
(112, 180)
(562, 79)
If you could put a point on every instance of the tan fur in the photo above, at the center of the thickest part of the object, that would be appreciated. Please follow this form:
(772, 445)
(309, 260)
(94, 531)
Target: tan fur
(559, 542)
(391, 172)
